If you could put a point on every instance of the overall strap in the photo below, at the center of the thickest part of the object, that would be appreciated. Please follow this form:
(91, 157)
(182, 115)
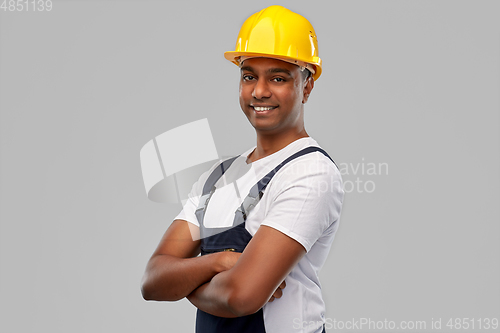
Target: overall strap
(216, 174)
(209, 187)
(257, 191)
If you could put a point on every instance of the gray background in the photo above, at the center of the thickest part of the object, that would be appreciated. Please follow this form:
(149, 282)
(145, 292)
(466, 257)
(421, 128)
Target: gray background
(414, 84)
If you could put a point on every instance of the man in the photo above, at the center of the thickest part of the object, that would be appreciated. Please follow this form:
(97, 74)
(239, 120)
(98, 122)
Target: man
(261, 253)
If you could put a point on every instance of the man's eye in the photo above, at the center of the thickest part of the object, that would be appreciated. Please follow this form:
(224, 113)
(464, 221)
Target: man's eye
(279, 79)
(247, 77)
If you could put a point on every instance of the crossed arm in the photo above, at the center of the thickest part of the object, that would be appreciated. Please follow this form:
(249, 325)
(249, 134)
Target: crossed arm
(224, 284)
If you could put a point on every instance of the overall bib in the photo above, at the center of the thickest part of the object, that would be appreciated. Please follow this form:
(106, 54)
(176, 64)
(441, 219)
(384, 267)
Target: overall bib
(234, 238)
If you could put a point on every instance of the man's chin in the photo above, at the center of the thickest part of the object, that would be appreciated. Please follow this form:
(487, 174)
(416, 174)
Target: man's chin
(265, 128)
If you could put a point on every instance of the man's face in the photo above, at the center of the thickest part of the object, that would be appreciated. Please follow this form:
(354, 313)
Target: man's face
(272, 94)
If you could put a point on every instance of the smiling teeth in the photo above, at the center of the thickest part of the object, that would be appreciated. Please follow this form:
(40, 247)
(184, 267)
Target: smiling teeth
(261, 108)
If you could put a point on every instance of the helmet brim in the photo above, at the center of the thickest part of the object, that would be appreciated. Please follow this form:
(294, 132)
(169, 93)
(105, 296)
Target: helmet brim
(234, 56)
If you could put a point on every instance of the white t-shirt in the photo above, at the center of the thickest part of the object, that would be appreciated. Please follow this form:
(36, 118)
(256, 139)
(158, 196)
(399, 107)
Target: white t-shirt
(303, 200)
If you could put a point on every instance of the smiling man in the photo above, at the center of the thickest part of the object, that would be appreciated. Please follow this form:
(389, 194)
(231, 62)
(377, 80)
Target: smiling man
(264, 238)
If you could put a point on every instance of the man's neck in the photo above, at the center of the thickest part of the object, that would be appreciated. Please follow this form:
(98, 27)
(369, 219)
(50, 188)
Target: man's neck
(269, 144)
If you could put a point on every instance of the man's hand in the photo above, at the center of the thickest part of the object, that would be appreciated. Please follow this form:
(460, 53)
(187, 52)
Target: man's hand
(279, 292)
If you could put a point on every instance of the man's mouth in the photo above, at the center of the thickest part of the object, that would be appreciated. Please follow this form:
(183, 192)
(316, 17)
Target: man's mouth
(263, 108)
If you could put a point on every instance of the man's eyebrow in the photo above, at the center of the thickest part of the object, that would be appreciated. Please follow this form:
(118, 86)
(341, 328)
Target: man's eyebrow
(270, 70)
(247, 68)
(279, 70)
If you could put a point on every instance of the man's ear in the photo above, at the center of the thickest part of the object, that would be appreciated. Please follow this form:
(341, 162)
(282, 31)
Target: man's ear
(308, 87)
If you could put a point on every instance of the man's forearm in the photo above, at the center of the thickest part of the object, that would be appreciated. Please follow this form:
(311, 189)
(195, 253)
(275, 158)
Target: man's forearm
(214, 297)
(169, 278)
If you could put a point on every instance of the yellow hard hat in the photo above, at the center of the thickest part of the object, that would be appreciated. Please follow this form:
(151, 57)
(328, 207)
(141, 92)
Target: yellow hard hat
(277, 32)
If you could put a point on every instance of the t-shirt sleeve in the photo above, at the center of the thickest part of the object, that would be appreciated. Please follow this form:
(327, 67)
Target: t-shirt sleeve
(306, 199)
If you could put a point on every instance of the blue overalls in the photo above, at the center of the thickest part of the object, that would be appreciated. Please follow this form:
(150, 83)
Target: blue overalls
(234, 238)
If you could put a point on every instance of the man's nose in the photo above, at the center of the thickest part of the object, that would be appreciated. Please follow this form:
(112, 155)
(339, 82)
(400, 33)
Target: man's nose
(261, 90)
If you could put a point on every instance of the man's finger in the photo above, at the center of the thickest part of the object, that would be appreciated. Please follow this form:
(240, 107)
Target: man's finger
(278, 293)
